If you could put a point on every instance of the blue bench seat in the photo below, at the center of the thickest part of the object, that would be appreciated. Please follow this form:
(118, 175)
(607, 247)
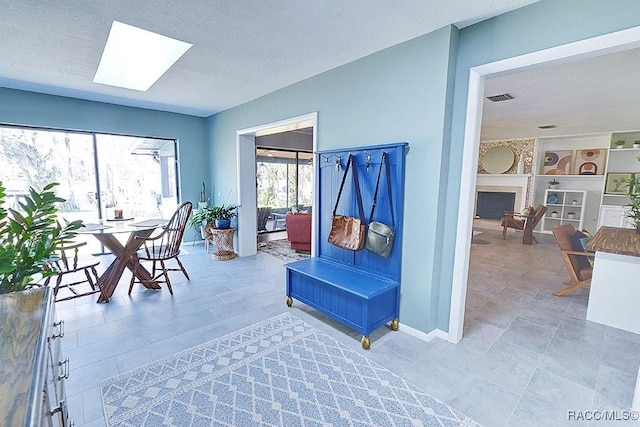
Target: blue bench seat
(350, 294)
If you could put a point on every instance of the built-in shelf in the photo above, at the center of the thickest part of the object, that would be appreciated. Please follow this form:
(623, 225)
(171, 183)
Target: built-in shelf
(563, 206)
(505, 175)
(559, 177)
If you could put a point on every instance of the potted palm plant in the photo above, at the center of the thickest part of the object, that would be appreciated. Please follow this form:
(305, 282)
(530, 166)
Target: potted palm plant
(30, 238)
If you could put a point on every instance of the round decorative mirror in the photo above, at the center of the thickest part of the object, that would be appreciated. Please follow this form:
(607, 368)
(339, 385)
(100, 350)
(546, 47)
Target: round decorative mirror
(498, 160)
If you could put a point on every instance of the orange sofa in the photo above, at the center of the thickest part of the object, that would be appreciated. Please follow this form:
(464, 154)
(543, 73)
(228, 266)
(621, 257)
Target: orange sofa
(299, 230)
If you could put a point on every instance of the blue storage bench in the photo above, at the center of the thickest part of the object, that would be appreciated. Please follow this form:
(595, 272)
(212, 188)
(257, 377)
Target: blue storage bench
(355, 297)
(357, 288)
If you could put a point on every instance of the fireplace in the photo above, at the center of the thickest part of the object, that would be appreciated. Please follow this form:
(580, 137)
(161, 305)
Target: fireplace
(493, 205)
(513, 186)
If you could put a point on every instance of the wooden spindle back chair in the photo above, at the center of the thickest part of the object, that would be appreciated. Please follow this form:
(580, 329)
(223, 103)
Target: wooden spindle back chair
(75, 273)
(163, 247)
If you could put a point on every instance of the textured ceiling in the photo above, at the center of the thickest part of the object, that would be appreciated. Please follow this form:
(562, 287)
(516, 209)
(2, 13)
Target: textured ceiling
(600, 94)
(242, 49)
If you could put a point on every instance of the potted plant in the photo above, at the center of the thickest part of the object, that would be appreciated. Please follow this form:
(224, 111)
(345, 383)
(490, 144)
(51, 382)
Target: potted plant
(634, 199)
(223, 215)
(619, 143)
(30, 238)
(553, 183)
(202, 217)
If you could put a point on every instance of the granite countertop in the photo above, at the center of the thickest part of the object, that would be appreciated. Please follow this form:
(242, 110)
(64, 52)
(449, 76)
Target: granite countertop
(22, 316)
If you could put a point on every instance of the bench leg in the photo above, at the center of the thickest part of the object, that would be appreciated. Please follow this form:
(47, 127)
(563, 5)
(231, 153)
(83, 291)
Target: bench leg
(366, 342)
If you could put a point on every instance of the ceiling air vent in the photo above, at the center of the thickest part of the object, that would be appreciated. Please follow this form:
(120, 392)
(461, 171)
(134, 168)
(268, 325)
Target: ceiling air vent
(498, 98)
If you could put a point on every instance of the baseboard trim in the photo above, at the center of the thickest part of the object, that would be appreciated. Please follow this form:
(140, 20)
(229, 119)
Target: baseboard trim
(436, 333)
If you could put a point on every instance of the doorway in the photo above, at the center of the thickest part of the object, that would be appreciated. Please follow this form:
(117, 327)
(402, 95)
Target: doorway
(284, 181)
(596, 46)
(247, 194)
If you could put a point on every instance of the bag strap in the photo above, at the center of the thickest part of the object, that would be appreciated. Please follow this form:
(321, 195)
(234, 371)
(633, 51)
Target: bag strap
(383, 163)
(356, 184)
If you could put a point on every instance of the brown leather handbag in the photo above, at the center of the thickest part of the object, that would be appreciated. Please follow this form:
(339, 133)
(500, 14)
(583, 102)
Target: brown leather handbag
(348, 232)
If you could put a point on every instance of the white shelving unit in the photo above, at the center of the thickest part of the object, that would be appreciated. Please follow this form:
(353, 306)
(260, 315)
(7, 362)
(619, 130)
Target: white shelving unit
(620, 160)
(563, 206)
(591, 185)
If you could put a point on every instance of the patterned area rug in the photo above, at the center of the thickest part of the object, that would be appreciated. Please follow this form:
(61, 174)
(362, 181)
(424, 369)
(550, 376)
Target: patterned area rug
(282, 249)
(279, 372)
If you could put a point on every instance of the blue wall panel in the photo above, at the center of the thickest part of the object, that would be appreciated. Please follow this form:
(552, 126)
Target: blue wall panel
(398, 94)
(330, 178)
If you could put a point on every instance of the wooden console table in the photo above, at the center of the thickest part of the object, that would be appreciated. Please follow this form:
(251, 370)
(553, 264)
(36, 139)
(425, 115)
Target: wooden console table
(615, 240)
(223, 243)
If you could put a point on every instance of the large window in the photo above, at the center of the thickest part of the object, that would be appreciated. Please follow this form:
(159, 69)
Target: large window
(284, 179)
(96, 172)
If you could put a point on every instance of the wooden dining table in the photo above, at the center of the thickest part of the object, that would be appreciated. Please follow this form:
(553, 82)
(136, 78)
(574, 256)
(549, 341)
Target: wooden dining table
(125, 254)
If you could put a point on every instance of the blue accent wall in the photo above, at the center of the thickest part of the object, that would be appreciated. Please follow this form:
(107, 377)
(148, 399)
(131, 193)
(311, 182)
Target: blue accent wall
(399, 94)
(417, 92)
(35, 109)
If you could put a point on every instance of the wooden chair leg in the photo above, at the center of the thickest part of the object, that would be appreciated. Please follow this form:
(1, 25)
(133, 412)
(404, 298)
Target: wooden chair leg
(103, 292)
(90, 280)
(183, 269)
(573, 287)
(166, 276)
(133, 278)
(58, 284)
(153, 270)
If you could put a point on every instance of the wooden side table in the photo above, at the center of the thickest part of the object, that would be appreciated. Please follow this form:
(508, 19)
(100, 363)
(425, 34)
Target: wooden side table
(223, 243)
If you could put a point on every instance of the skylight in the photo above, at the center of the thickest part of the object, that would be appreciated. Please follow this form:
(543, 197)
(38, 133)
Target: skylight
(134, 58)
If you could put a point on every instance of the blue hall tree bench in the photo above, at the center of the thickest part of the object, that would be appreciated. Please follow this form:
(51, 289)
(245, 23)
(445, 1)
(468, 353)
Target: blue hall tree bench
(358, 288)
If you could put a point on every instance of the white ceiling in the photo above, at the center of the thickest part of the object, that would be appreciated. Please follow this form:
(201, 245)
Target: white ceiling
(600, 94)
(242, 49)
(245, 49)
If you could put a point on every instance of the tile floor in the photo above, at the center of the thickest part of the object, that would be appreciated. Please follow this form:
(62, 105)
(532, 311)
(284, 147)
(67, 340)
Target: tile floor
(527, 357)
